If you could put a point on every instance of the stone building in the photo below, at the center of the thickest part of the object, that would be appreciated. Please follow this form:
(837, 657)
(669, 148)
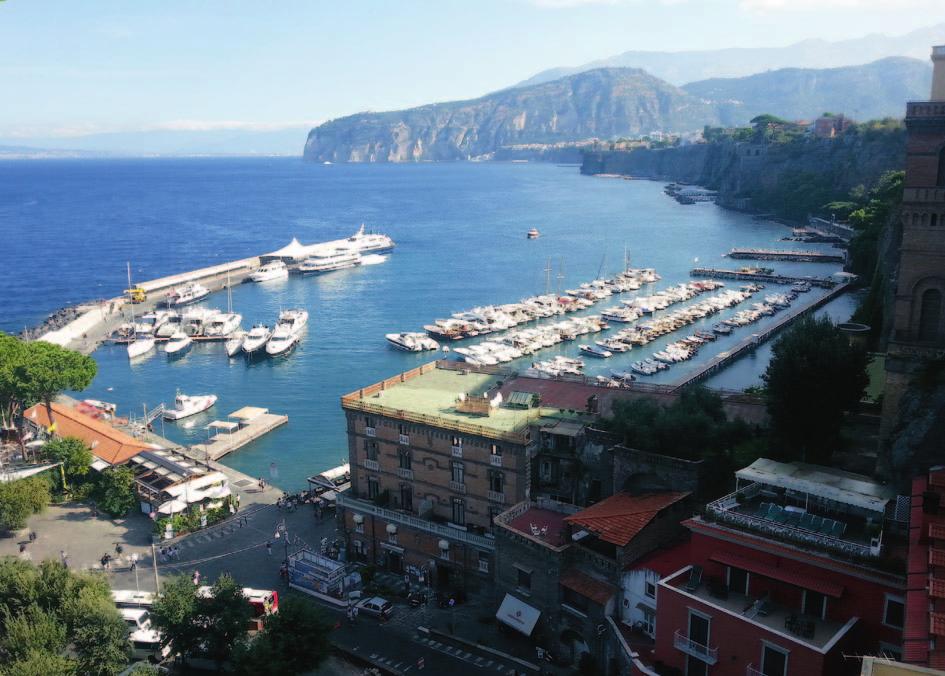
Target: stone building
(918, 331)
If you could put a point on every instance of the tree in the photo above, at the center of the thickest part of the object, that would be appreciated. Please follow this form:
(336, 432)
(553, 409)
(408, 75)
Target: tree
(21, 499)
(176, 614)
(115, 491)
(38, 663)
(293, 641)
(814, 376)
(12, 356)
(226, 614)
(73, 453)
(101, 641)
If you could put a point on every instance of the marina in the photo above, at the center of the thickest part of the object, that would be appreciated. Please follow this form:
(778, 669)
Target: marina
(764, 277)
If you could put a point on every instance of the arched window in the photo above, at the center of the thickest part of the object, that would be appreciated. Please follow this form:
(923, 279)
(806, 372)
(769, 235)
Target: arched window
(930, 314)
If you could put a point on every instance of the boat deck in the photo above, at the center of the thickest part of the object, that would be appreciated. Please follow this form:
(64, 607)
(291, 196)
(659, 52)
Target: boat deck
(223, 443)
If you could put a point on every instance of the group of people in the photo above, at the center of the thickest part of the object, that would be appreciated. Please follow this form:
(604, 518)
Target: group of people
(169, 552)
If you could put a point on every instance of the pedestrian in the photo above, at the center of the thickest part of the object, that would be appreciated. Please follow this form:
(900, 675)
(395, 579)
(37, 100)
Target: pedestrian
(64, 558)
(33, 536)
(269, 547)
(196, 578)
(22, 547)
(237, 500)
(118, 548)
(134, 562)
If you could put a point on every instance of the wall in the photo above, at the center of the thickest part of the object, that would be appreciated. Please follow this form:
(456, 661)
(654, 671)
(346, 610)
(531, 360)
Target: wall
(641, 471)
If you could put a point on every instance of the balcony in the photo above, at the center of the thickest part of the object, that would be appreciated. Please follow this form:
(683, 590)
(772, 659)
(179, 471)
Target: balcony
(752, 670)
(405, 473)
(702, 652)
(495, 460)
(438, 530)
(370, 432)
(371, 465)
(457, 451)
(458, 487)
(495, 496)
(404, 439)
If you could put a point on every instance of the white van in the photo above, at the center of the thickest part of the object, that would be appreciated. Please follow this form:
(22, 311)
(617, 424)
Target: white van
(145, 641)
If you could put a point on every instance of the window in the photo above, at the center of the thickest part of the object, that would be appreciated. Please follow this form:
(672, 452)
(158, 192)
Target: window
(496, 482)
(459, 473)
(495, 449)
(403, 456)
(459, 512)
(575, 600)
(773, 660)
(815, 604)
(696, 667)
(524, 578)
(483, 562)
(373, 489)
(370, 448)
(544, 470)
(649, 621)
(369, 421)
(403, 429)
(894, 611)
(392, 538)
(930, 314)
(358, 527)
(456, 441)
(650, 590)
(358, 546)
(738, 581)
(493, 513)
(406, 497)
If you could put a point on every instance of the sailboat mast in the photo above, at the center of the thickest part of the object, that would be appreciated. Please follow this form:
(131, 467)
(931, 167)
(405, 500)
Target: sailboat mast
(131, 301)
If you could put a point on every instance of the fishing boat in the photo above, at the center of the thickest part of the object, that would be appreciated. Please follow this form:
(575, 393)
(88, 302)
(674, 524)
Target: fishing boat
(178, 344)
(533, 234)
(270, 271)
(256, 339)
(186, 406)
(234, 344)
(191, 292)
(412, 342)
(595, 351)
(336, 259)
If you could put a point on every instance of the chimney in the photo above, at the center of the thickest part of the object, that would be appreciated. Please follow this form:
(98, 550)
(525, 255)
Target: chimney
(938, 73)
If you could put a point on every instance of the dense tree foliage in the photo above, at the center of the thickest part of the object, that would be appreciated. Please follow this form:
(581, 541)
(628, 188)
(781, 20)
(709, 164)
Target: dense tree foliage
(73, 453)
(21, 499)
(814, 376)
(293, 641)
(115, 491)
(55, 621)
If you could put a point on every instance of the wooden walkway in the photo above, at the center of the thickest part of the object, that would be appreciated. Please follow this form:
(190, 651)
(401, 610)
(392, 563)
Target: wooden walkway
(751, 342)
(223, 443)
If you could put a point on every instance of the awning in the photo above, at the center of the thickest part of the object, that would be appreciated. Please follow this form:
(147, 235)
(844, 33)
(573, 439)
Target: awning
(802, 580)
(172, 507)
(227, 425)
(248, 413)
(99, 465)
(517, 614)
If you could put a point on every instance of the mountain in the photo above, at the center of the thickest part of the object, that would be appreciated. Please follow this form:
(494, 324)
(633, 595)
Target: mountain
(612, 102)
(875, 90)
(688, 66)
(607, 102)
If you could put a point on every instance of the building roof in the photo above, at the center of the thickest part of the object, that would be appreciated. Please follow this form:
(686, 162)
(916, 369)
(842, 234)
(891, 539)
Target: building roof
(546, 525)
(108, 443)
(826, 482)
(795, 578)
(619, 518)
(596, 590)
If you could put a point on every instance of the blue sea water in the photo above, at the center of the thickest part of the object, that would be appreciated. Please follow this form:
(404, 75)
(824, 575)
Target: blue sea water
(68, 227)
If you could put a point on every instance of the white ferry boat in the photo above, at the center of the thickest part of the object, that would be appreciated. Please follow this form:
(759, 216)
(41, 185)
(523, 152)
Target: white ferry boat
(186, 406)
(412, 342)
(337, 259)
(189, 293)
(270, 271)
(370, 242)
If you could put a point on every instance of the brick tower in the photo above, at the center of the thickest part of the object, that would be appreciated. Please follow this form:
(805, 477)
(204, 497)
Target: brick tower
(918, 332)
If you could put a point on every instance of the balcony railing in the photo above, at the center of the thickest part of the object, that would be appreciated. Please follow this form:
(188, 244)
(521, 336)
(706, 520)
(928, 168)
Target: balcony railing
(405, 473)
(752, 670)
(372, 465)
(457, 487)
(495, 496)
(495, 460)
(697, 650)
(439, 530)
(370, 432)
(457, 451)
(404, 439)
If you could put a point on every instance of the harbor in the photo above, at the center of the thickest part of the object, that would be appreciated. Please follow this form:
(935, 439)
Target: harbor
(779, 255)
(755, 275)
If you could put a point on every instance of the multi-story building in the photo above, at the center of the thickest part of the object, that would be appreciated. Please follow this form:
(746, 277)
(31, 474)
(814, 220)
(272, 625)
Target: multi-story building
(787, 576)
(435, 454)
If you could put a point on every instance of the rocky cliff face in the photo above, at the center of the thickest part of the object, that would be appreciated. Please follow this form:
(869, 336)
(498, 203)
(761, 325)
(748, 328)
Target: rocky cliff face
(605, 103)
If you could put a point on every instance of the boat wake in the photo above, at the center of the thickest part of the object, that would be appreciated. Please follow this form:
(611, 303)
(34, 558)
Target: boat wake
(373, 259)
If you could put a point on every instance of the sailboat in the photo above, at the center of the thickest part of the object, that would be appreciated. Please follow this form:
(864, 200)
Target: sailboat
(140, 344)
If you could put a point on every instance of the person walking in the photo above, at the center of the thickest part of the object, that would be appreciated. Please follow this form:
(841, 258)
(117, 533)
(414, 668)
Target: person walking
(269, 547)
(134, 562)
(33, 536)
(64, 558)
(196, 578)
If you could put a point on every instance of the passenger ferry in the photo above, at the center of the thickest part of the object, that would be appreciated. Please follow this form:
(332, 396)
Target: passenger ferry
(337, 259)
(370, 242)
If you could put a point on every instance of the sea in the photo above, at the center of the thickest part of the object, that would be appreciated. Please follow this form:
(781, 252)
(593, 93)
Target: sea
(69, 227)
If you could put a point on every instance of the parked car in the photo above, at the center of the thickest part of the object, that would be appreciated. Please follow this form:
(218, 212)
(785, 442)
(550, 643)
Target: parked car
(376, 607)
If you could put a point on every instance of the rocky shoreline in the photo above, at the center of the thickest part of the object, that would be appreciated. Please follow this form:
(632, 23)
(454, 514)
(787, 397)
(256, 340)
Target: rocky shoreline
(55, 321)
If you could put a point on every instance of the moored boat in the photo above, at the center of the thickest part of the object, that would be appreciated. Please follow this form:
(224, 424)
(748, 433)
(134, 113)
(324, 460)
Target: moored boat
(256, 339)
(186, 405)
(412, 342)
(140, 345)
(191, 292)
(234, 343)
(177, 344)
(270, 271)
(595, 351)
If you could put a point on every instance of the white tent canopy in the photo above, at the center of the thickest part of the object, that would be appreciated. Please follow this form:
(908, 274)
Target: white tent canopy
(826, 482)
(292, 251)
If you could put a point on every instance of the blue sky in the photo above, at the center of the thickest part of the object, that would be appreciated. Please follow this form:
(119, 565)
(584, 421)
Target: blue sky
(70, 67)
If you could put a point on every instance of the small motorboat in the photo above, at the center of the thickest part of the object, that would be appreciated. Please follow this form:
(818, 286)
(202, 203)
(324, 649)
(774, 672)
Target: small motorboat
(412, 342)
(178, 344)
(256, 339)
(269, 271)
(234, 343)
(595, 351)
(533, 234)
(186, 406)
(141, 345)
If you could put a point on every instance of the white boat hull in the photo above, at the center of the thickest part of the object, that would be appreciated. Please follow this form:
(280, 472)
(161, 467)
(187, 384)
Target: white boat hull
(140, 347)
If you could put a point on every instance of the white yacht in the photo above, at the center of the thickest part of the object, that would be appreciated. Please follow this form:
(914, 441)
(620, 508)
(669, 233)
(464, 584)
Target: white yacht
(412, 342)
(140, 345)
(222, 325)
(170, 325)
(189, 293)
(234, 343)
(294, 319)
(256, 339)
(152, 321)
(370, 242)
(185, 406)
(177, 344)
(271, 270)
(287, 332)
(336, 259)
(196, 320)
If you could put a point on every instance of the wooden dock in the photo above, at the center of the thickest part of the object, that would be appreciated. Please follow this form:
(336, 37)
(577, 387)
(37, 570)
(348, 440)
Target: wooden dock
(781, 255)
(740, 275)
(751, 342)
(243, 427)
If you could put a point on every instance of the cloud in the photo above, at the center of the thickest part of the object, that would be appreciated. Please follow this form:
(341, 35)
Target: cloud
(79, 130)
(807, 5)
(217, 125)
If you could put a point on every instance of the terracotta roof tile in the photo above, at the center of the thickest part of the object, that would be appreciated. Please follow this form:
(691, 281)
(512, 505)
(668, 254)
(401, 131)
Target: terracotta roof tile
(596, 590)
(109, 444)
(937, 624)
(619, 518)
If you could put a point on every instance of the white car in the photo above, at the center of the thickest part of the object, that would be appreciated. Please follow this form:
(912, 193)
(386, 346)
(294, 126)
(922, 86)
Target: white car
(376, 607)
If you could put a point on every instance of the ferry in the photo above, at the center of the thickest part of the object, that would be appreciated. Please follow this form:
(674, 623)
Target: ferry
(191, 292)
(370, 242)
(338, 259)
(270, 271)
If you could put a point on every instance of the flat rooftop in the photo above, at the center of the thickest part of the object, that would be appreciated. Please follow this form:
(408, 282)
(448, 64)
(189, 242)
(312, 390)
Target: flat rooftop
(544, 524)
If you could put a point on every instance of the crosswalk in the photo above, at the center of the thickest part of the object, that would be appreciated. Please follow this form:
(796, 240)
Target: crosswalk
(479, 661)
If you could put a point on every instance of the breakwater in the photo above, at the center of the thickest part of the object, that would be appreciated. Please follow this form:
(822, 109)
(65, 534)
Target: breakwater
(766, 278)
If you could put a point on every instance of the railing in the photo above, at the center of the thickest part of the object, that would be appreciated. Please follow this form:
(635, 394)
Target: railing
(457, 487)
(483, 566)
(697, 650)
(925, 109)
(372, 465)
(495, 460)
(405, 473)
(404, 439)
(370, 432)
(495, 496)
(751, 670)
(457, 451)
(391, 516)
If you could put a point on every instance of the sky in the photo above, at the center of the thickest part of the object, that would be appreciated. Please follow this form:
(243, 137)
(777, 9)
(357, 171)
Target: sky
(70, 68)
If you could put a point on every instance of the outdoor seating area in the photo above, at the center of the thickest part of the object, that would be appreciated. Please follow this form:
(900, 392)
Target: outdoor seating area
(800, 518)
